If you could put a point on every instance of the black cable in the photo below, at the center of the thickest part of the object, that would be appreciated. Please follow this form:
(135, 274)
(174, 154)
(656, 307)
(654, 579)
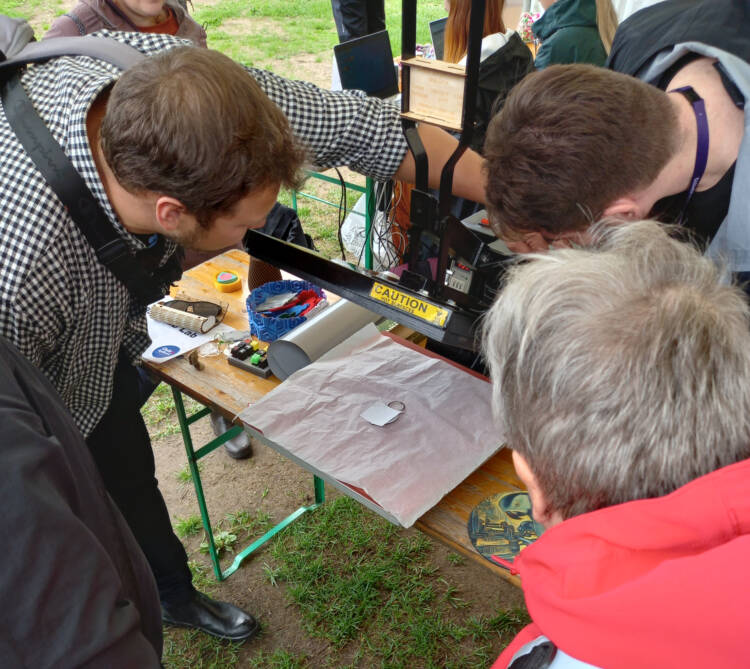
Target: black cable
(342, 212)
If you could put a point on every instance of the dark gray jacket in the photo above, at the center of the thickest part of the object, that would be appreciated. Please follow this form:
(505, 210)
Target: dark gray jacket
(75, 588)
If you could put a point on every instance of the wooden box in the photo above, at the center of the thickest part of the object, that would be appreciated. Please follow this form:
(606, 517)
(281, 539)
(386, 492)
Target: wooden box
(436, 92)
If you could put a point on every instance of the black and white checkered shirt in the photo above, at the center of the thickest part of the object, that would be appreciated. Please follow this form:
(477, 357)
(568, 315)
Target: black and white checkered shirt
(65, 311)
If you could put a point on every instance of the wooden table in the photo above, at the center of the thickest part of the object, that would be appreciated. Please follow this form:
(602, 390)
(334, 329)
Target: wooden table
(219, 385)
(229, 390)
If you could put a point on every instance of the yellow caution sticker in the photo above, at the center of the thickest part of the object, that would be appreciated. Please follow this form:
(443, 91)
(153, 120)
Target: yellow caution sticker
(410, 304)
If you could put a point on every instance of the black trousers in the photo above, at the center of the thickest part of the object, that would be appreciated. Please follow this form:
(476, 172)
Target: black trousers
(122, 451)
(357, 18)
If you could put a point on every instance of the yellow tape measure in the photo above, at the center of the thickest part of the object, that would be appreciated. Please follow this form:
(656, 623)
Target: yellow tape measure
(226, 281)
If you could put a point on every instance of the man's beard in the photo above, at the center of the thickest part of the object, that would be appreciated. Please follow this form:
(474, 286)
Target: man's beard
(192, 239)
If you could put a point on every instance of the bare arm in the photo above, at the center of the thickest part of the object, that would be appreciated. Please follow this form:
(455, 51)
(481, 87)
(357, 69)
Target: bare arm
(348, 128)
(468, 176)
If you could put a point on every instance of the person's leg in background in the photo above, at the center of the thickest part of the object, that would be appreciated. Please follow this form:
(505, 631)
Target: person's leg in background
(357, 18)
(121, 448)
(338, 20)
(375, 15)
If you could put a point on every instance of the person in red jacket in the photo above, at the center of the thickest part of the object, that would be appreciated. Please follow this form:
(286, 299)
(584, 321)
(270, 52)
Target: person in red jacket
(621, 380)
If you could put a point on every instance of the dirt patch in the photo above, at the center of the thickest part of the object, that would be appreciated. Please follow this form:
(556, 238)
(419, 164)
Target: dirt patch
(270, 483)
(246, 28)
(264, 482)
(315, 68)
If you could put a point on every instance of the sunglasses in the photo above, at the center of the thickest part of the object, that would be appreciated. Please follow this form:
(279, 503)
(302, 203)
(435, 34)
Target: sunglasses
(204, 309)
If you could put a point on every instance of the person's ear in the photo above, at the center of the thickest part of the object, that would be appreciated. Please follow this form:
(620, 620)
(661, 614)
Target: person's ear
(518, 246)
(539, 506)
(624, 208)
(528, 242)
(536, 242)
(169, 212)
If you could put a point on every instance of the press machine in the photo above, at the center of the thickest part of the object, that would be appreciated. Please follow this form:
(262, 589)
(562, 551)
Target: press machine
(445, 307)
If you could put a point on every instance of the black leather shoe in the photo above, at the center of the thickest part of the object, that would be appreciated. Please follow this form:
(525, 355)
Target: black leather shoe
(239, 447)
(219, 619)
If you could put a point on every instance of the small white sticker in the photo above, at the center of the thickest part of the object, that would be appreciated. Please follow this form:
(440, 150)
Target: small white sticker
(380, 414)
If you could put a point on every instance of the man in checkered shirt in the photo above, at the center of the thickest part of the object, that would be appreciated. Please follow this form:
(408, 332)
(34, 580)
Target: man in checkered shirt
(184, 149)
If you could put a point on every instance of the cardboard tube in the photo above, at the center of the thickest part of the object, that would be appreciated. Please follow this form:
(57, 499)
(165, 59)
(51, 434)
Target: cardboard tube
(320, 334)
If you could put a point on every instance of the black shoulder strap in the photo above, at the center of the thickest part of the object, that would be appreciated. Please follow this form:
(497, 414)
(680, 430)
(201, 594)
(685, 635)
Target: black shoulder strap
(102, 48)
(59, 172)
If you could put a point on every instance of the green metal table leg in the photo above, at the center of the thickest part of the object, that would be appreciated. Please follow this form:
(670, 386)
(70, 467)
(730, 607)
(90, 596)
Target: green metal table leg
(319, 499)
(320, 490)
(195, 475)
(193, 456)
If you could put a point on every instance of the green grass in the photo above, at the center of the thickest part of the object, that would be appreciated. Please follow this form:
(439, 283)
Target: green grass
(359, 580)
(187, 527)
(203, 578)
(270, 32)
(190, 649)
(160, 415)
(320, 220)
(250, 524)
(279, 659)
(161, 405)
(39, 13)
(184, 475)
(235, 527)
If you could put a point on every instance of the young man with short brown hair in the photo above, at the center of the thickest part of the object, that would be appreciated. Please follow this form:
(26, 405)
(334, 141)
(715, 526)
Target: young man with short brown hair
(556, 170)
(594, 143)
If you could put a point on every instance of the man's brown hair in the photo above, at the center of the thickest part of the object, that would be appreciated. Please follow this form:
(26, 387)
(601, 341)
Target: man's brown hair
(193, 124)
(569, 141)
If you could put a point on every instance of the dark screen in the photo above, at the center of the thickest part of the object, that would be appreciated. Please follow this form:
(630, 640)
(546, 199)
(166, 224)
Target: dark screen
(437, 32)
(366, 64)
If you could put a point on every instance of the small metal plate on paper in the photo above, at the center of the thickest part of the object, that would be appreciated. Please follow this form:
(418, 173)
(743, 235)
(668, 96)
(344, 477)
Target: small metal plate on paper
(380, 413)
(409, 304)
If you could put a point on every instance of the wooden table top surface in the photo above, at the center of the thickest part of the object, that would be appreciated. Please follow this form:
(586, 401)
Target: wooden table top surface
(230, 390)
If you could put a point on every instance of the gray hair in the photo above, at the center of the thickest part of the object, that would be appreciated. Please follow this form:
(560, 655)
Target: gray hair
(620, 371)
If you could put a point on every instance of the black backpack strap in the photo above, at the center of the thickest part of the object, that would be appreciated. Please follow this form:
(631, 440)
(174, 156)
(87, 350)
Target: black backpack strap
(55, 166)
(102, 48)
